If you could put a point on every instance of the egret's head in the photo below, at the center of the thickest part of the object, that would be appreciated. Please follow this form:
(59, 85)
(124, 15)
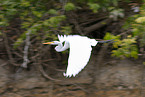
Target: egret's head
(52, 43)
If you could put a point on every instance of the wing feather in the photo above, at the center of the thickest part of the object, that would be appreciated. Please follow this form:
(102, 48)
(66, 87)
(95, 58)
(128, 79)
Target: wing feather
(79, 55)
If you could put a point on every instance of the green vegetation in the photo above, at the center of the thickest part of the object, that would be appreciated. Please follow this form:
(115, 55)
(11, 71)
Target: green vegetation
(69, 6)
(131, 45)
(49, 18)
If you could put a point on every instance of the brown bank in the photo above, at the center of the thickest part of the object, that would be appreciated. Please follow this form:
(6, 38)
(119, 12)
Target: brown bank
(114, 78)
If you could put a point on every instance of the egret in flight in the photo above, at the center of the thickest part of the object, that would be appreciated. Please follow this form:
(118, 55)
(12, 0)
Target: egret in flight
(80, 51)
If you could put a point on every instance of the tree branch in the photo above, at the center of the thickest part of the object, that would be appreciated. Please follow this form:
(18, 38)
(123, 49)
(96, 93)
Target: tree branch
(96, 26)
(6, 43)
(26, 48)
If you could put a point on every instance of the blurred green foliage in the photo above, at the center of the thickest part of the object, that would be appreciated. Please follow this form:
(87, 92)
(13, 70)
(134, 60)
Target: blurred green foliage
(37, 17)
(129, 46)
(69, 6)
(34, 18)
(53, 11)
(94, 7)
(116, 13)
(123, 47)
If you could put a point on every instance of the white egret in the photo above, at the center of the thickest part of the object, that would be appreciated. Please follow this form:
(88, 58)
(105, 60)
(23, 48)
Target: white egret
(80, 51)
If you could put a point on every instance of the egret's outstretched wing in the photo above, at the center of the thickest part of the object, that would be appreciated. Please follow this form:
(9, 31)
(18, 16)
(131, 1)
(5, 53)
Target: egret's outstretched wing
(80, 51)
(62, 38)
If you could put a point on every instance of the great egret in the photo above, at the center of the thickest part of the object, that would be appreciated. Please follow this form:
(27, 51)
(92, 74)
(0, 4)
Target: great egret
(80, 51)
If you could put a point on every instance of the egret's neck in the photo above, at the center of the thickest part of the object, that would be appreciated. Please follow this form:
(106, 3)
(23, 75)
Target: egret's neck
(58, 48)
(61, 48)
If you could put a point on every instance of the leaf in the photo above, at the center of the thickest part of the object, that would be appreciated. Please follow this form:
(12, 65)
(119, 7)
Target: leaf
(126, 48)
(140, 20)
(69, 7)
(37, 13)
(134, 54)
(94, 7)
(53, 11)
(25, 3)
(18, 43)
(116, 13)
(109, 36)
(66, 30)
(54, 21)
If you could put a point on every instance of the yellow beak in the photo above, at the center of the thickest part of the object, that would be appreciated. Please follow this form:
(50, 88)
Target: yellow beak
(48, 43)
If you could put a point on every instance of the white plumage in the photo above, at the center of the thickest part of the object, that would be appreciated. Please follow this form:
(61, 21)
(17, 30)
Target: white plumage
(80, 51)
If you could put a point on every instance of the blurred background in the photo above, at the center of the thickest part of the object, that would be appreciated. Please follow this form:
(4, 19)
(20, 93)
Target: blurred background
(30, 69)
